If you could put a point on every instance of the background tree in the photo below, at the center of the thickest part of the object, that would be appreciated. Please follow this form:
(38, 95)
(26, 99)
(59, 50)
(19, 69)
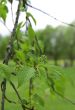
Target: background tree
(45, 35)
(57, 43)
(70, 44)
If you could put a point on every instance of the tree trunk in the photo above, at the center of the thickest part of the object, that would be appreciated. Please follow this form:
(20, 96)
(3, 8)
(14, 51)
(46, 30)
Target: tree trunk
(55, 62)
(71, 62)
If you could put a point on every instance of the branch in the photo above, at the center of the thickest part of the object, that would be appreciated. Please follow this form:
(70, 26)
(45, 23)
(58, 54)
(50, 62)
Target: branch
(8, 55)
(12, 14)
(3, 88)
(10, 100)
(56, 19)
(27, 19)
(30, 91)
(10, 45)
(23, 106)
(67, 99)
(38, 45)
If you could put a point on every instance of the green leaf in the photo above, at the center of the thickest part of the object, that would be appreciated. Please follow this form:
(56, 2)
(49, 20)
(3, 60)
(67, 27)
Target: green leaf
(3, 1)
(25, 46)
(18, 29)
(20, 55)
(20, 25)
(42, 73)
(31, 32)
(24, 101)
(56, 79)
(60, 85)
(30, 15)
(54, 71)
(3, 11)
(38, 99)
(5, 71)
(24, 74)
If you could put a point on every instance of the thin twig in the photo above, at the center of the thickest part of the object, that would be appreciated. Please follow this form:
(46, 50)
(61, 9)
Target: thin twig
(38, 45)
(23, 106)
(67, 99)
(12, 14)
(3, 88)
(30, 91)
(10, 100)
(56, 19)
(56, 92)
(17, 18)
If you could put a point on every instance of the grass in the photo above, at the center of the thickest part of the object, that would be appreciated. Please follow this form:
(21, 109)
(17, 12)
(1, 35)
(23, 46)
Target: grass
(52, 102)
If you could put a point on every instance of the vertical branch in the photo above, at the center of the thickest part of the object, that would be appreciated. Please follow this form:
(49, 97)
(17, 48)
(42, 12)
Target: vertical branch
(8, 55)
(12, 14)
(3, 88)
(31, 80)
(10, 45)
(24, 107)
(17, 95)
(30, 91)
(38, 45)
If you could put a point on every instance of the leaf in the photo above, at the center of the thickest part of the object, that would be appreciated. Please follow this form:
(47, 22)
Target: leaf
(42, 73)
(3, 11)
(31, 32)
(2, 1)
(25, 46)
(20, 25)
(20, 55)
(24, 74)
(5, 71)
(60, 85)
(38, 99)
(24, 101)
(54, 71)
(30, 15)
(56, 79)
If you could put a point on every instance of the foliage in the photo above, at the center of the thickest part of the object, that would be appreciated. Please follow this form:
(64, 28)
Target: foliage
(31, 65)
(3, 43)
(59, 42)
